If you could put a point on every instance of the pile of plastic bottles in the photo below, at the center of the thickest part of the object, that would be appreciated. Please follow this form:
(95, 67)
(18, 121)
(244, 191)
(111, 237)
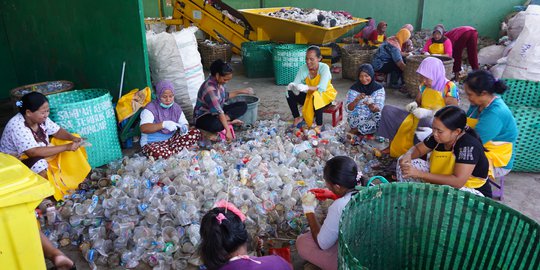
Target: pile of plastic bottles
(140, 210)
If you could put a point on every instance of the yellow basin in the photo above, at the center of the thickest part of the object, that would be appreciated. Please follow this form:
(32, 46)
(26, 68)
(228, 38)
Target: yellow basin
(289, 31)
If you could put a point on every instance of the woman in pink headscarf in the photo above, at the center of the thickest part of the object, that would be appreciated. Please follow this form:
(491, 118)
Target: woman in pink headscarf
(364, 34)
(164, 128)
(435, 92)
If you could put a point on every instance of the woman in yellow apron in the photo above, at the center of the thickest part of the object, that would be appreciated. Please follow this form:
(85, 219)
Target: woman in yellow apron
(62, 160)
(378, 36)
(438, 44)
(492, 120)
(456, 157)
(313, 81)
(435, 92)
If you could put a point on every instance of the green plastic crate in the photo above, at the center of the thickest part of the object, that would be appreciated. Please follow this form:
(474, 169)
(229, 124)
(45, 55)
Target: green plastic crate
(523, 99)
(257, 59)
(89, 113)
(288, 58)
(521, 92)
(423, 226)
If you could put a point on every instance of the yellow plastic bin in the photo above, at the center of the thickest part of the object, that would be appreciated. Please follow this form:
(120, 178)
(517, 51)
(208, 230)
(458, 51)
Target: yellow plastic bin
(21, 191)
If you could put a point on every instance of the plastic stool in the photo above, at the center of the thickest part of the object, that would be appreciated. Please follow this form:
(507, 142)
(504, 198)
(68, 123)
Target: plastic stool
(499, 192)
(333, 109)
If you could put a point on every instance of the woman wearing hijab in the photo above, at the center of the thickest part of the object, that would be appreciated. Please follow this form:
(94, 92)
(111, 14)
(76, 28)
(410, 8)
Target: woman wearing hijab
(365, 100)
(364, 34)
(378, 36)
(438, 43)
(435, 92)
(165, 130)
(388, 57)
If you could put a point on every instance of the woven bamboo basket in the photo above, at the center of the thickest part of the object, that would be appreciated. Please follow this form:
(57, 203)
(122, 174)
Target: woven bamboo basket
(413, 80)
(46, 88)
(350, 40)
(352, 56)
(213, 52)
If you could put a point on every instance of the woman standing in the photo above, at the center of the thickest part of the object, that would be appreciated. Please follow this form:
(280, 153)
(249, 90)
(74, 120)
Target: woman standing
(26, 136)
(313, 80)
(165, 130)
(211, 113)
(464, 37)
(365, 101)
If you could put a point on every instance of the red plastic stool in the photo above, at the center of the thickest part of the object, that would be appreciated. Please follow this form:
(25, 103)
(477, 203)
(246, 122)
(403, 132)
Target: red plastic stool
(335, 109)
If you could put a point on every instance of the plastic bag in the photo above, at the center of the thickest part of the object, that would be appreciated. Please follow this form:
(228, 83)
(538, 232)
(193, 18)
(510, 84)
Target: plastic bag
(523, 58)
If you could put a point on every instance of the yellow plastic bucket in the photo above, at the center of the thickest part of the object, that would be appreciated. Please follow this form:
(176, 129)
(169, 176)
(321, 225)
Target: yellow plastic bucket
(21, 191)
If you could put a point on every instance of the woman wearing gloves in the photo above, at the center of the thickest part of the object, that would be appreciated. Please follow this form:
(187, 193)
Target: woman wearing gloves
(365, 100)
(492, 120)
(457, 156)
(320, 245)
(435, 92)
(165, 130)
(211, 114)
(313, 81)
(438, 43)
(224, 242)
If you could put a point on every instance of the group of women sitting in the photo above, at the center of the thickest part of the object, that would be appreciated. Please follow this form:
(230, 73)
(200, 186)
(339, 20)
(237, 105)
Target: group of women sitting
(390, 57)
(462, 150)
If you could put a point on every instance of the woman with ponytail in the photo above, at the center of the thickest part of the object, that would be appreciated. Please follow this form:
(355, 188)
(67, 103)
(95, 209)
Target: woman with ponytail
(457, 156)
(224, 242)
(319, 246)
(492, 120)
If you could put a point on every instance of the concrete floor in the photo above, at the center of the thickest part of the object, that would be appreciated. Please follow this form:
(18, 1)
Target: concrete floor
(522, 190)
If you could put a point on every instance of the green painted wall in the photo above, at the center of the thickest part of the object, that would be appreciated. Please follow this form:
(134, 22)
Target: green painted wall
(485, 15)
(8, 79)
(82, 41)
(151, 7)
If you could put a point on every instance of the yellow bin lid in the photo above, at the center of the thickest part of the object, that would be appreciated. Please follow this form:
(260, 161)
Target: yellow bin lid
(18, 184)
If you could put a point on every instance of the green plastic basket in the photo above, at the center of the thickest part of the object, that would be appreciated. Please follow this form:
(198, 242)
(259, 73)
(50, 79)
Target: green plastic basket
(423, 226)
(521, 92)
(523, 99)
(257, 59)
(89, 113)
(288, 58)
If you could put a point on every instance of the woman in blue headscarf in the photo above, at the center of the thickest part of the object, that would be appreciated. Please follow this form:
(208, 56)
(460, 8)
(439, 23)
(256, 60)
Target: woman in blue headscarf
(365, 100)
(165, 130)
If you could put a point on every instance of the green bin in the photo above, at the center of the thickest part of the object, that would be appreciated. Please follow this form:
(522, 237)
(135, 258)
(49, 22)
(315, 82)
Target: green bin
(523, 99)
(257, 59)
(424, 226)
(288, 58)
(89, 113)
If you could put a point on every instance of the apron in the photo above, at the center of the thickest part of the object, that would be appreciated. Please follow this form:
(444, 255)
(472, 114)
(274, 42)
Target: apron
(443, 162)
(499, 154)
(316, 100)
(380, 38)
(67, 169)
(436, 48)
(404, 138)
